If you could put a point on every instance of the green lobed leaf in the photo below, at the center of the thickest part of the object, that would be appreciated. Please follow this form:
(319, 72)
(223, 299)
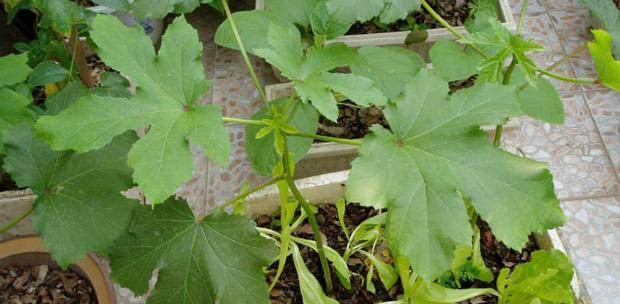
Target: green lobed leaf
(545, 279)
(79, 207)
(13, 111)
(159, 9)
(66, 97)
(325, 24)
(294, 11)
(262, 153)
(113, 85)
(217, 259)
(351, 11)
(47, 72)
(13, 69)
(398, 9)
(609, 15)
(451, 62)
(168, 86)
(119, 5)
(608, 68)
(391, 68)
(311, 290)
(252, 27)
(436, 153)
(540, 100)
(479, 15)
(59, 15)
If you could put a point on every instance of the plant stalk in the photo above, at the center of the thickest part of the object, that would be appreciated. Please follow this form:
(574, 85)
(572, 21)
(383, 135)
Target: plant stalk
(244, 121)
(79, 57)
(244, 54)
(351, 142)
(572, 54)
(16, 220)
(450, 28)
(507, 75)
(249, 192)
(565, 78)
(288, 173)
(522, 17)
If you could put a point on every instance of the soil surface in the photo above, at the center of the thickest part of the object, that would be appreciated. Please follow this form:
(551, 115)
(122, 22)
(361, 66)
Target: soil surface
(97, 67)
(455, 12)
(617, 3)
(354, 122)
(41, 284)
(496, 256)
(6, 183)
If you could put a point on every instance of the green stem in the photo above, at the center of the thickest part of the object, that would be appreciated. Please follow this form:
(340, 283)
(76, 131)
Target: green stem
(565, 78)
(522, 17)
(244, 121)
(450, 28)
(507, 75)
(16, 221)
(311, 218)
(352, 142)
(572, 54)
(247, 193)
(244, 54)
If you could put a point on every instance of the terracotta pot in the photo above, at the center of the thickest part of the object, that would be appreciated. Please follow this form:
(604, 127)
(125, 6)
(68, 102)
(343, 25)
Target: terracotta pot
(29, 250)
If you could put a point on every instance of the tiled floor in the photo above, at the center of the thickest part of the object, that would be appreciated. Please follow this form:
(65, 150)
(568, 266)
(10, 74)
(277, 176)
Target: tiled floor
(584, 153)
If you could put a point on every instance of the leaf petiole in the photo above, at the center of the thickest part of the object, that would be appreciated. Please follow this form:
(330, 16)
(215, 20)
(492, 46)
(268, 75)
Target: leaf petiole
(253, 190)
(16, 221)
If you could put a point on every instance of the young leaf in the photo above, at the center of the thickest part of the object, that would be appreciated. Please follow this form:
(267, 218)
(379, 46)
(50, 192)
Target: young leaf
(159, 9)
(451, 62)
(432, 293)
(168, 86)
(63, 99)
(342, 270)
(387, 273)
(47, 72)
(119, 5)
(294, 11)
(218, 259)
(436, 148)
(509, 44)
(113, 85)
(324, 24)
(480, 14)
(310, 75)
(545, 279)
(609, 15)
(59, 15)
(397, 10)
(542, 101)
(261, 152)
(13, 111)
(341, 208)
(608, 67)
(391, 68)
(311, 290)
(13, 69)
(79, 207)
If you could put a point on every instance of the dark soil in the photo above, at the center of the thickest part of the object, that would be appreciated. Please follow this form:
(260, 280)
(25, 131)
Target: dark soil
(496, 256)
(455, 12)
(40, 284)
(97, 67)
(6, 183)
(617, 3)
(354, 122)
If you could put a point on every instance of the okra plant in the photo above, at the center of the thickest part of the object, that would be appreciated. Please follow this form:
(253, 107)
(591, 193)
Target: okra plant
(433, 172)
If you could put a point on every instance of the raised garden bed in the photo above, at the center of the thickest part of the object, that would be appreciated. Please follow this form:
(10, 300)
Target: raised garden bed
(326, 189)
(326, 157)
(399, 37)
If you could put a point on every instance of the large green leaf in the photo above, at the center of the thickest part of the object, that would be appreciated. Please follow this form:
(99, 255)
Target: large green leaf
(168, 86)
(608, 67)
(13, 110)
(324, 24)
(435, 156)
(159, 9)
(79, 207)
(609, 15)
(542, 101)
(391, 68)
(451, 62)
(58, 15)
(63, 99)
(295, 11)
(351, 11)
(13, 69)
(546, 279)
(261, 151)
(217, 259)
(252, 27)
(310, 73)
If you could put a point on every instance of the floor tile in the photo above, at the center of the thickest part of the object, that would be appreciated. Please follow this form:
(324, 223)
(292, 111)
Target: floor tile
(534, 6)
(574, 151)
(194, 190)
(225, 181)
(239, 98)
(593, 238)
(552, 5)
(537, 26)
(605, 108)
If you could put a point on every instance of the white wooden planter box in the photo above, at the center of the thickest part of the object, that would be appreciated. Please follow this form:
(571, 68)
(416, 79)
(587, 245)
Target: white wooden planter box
(328, 188)
(398, 38)
(332, 157)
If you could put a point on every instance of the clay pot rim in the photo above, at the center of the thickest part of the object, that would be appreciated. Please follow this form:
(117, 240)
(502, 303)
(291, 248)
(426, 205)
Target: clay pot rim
(90, 266)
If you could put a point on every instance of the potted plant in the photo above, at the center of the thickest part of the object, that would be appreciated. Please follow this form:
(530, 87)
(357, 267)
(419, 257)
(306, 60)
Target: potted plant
(433, 174)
